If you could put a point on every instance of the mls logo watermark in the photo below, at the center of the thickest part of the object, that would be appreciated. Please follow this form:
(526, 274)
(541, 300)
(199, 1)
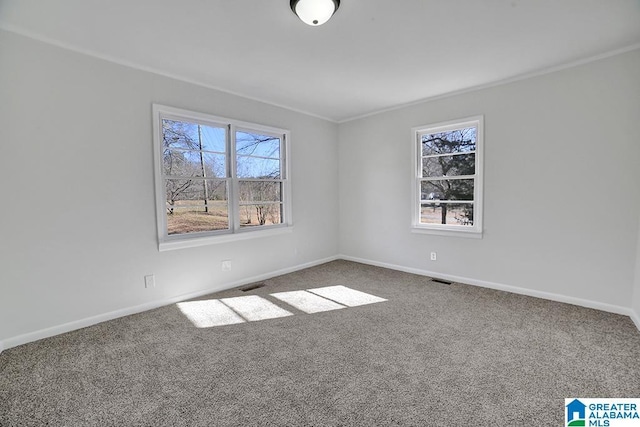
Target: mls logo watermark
(602, 412)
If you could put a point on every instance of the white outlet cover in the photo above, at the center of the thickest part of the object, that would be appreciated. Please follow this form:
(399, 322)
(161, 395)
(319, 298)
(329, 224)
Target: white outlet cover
(150, 281)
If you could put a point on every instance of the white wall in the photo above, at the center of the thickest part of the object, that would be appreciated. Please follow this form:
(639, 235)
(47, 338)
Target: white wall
(636, 292)
(77, 222)
(77, 225)
(561, 185)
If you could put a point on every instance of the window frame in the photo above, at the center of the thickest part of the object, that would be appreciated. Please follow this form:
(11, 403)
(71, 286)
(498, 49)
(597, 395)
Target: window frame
(474, 231)
(235, 231)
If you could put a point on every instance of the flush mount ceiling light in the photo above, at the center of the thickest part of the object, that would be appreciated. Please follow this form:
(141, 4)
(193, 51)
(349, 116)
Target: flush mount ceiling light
(314, 12)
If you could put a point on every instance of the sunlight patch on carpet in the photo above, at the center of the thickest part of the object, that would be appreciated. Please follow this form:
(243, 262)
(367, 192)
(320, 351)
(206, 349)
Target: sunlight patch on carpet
(254, 307)
(209, 313)
(346, 296)
(234, 310)
(307, 302)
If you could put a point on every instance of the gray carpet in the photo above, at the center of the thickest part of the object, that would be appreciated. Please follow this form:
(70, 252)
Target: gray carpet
(431, 355)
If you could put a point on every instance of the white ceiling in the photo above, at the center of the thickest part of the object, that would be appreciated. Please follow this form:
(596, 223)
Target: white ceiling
(372, 55)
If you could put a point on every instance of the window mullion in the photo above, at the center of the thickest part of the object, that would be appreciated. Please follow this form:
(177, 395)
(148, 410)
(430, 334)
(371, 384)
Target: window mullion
(462, 153)
(258, 157)
(187, 150)
(284, 176)
(234, 205)
(260, 180)
(186, 178)
(419, 170)
(447, 178)
(456, 202)
(259, 202)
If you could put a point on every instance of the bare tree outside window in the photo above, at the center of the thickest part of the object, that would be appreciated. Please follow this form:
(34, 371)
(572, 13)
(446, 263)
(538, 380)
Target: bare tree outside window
(259, 171)
(217, 177)
(448, 160)
(194, 160)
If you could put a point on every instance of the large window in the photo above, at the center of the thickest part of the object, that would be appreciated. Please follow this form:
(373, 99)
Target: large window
(217, 179)
(448, 177)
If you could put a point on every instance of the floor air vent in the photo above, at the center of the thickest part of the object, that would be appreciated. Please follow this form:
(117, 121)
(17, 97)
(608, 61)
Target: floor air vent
(444, 282)
(252, 287)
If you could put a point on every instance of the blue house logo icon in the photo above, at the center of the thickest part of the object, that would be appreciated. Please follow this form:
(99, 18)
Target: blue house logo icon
(576, 413)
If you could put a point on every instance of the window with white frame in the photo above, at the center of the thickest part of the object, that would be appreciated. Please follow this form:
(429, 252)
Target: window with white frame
(447, 183)
(217, 179)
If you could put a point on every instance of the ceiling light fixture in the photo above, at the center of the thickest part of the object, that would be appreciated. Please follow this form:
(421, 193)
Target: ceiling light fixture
(314, 12)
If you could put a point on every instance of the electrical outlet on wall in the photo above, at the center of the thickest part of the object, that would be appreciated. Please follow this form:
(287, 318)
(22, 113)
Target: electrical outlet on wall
(434, 256)
(150, 281)
(226, 265)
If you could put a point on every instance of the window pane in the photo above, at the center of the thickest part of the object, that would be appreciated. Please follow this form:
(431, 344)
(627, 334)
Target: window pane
(260, 191)
(191, 136)
(447, 213)
(194, 163)
(215, 165)
(257, 214)
(177, 134)
(214, 138)
(256, 167)
(461, 164)
(455, 141)
(253, 144)
(449, 189)
(189, 211)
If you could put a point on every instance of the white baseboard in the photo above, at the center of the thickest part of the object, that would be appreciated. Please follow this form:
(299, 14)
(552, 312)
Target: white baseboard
(635, 317)
(89, 321)
(508, 288)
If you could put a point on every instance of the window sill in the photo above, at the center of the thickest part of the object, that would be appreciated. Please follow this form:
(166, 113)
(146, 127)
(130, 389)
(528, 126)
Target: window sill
(193, 242)
(469, 234)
